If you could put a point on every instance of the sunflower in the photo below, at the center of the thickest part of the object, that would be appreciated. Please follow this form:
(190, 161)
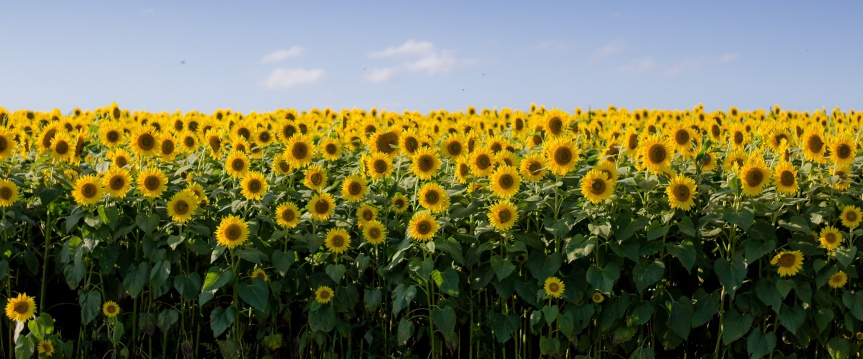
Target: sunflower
(46, 348)
(532, 167)
(462, 169)
(609, 168)
(167, 147)
(680, 191)
(280, 165)
(684, 139)
(596, 187)
(778, 138)
(337, 240)
(399, 203)
(385, 141)
(232, 231)
(503, 215)
(288, 215)
(425, 163)
(754, 176)
(656, 153)
(830, 238)
(709, 162)
(597, 297)
(481, 162)
(555, 122)
(324, 294)
(117, 182)
(553, 287)
(198, 191)
(259, 273)
(561, 155)
(254, 185)
(8, 193)
(409, 142)
(505, 181)
(315, 177)
(120, 157)
(188, 141)
(354, 188)
(88, 190)
(790, 262)
(152, 182)
(299, 150)
(111, 134)
(838, 280)
(110, 309)
(851, 216)
(379, 166)
(182, 206)
(237, 164)
(20, 308)
(842, 181)
(374, 232)
(62, 147)
(423, 226)
(785, 178)
(321, 206)
(433, 197)
(453, 146)
(213, 138)
(330, 148)
(144, 141)
(7, 143)
(842, 150)
(813, 144)
(47, 136)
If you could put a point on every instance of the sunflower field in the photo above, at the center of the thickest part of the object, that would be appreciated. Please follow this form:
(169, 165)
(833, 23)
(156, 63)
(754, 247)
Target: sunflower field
(497, 233)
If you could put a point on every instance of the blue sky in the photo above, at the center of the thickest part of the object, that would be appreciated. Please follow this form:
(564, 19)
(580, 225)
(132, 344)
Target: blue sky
(397, 55)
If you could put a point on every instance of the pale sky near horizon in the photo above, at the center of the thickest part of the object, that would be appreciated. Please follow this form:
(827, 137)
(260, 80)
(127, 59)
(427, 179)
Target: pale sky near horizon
(260, 56)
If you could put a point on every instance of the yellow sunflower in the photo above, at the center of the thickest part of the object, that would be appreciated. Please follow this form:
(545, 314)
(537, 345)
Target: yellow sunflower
(110, 309)
(790, 262)
(680, 192)
(321, 206)
(830, 238)
(683, 139)
(813, 144)
(315, 177)
(842, 150)
(280, 165)
(237, 164)
(709, 163)
(851, 216)
(656, 153)
(609, 168)
(597, 297)
(120, 157)
(532, 167)
(324, 294)
(374, 232)
(366, 213)
(46, 348)
(385, 141)
(330, 148)
(182, 206)
(167, 147)
(433, 197)
(144, 141)
(62, 147)
(379, 166)
(785, 178)
(188, 141)
(20, 308)
(111, 134)
(409, 142)
(561, 155)
(423, 226)
(505, 181)
(288, 215)
(259, 273)
(734, 161)
(596, 187)
(453, 146)
(399, 203)
(481, 162)
(556, 122)
(213, 138)
(88, 190)
(152, 182)
(7, 143)
(254, 185)
(338, 240)
(842, 174)
(462, 169)
(425, 163)
(838, 280)
(502, 215)
(232, 231)
(354, 188)
(117, 182)
(553, 287)
(754, 176)
(8, 193)
(47, 136)
(299, 150)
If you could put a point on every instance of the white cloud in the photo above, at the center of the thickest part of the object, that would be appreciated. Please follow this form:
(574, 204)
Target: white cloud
(282, 55)
(410, 48)
(285, 78)
(436, 63)
(552, 45)
(609, 49)
(637, 66)
(382, 74)
(726, 58)
(680, 67)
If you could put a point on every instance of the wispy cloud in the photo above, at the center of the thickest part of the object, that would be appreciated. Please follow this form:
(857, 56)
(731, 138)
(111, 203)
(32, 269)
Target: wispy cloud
(682, 66)
(282, 78)
(636, 66)
(609, 49)
(416, 56)
(282, 55)
(555, 45)
(726, 58)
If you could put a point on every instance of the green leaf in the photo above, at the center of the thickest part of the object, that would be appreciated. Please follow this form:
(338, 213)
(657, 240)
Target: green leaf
(759, 344)
(839, 348)
(402, 296)
(216, 278)
(642, 353)
(451, 247)
(646, 273)
(548, 345)
(188, 285)
(731, 274)
(221, 319)
(147, 222)
(742, 218)
(323, 319)
(579, 247)
(336, 272)
(705, 309)
(41, 326)
(824, 318)
(845, 255)
(766, 290)
(405, 331)
(680, 318)
(109, 215)
(444, 320)
(282, 261)
(503, 326)
(550, 312)
(136, 278)
(372, 299)
(256, 294)
(630, 249)
(501, 266)
(253, 255)
(657, 230)
(91, 305)
(542, 266)
(854, 303)
(792, 317)
(796, 224)
(24, 347)
(735, 325)
(627, 227)
(684, 252)
(641, 315)
(686, 226)
(603, 278)
(167, 318)
(447, 281)
(160, 272)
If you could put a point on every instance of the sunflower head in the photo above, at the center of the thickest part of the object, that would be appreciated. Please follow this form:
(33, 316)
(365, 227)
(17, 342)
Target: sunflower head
(144, 142)
(453, 146)
(259, 273)
(8, 193)
(330, 148)
(20, 308)
(425, 163)
(399, 203)
(754, 175)
(117, 182)
(481, 162)
(556, 122)
(379, 166)
(830, 238)
(596, 186)
(338, 240)
(681, 191)
(182, 206)
(505, 181)
(385, 141)
(656, 153)
(321, 206)
(324, 294)
(254, 185)
(374, 232)
(232, 231)
(315, 177)
(790, 262)
(553, 287)
(354, 188)
(46, 348)
(785, 178)
(838, 280)
(110, 309)
(597, 297)
(288, 215)
(851, 216)
(299, 150)
(561, 155)
(152, 182)
(423, 226)
(88, 190)
(503, 215)
(237, 164)
(433, 197)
